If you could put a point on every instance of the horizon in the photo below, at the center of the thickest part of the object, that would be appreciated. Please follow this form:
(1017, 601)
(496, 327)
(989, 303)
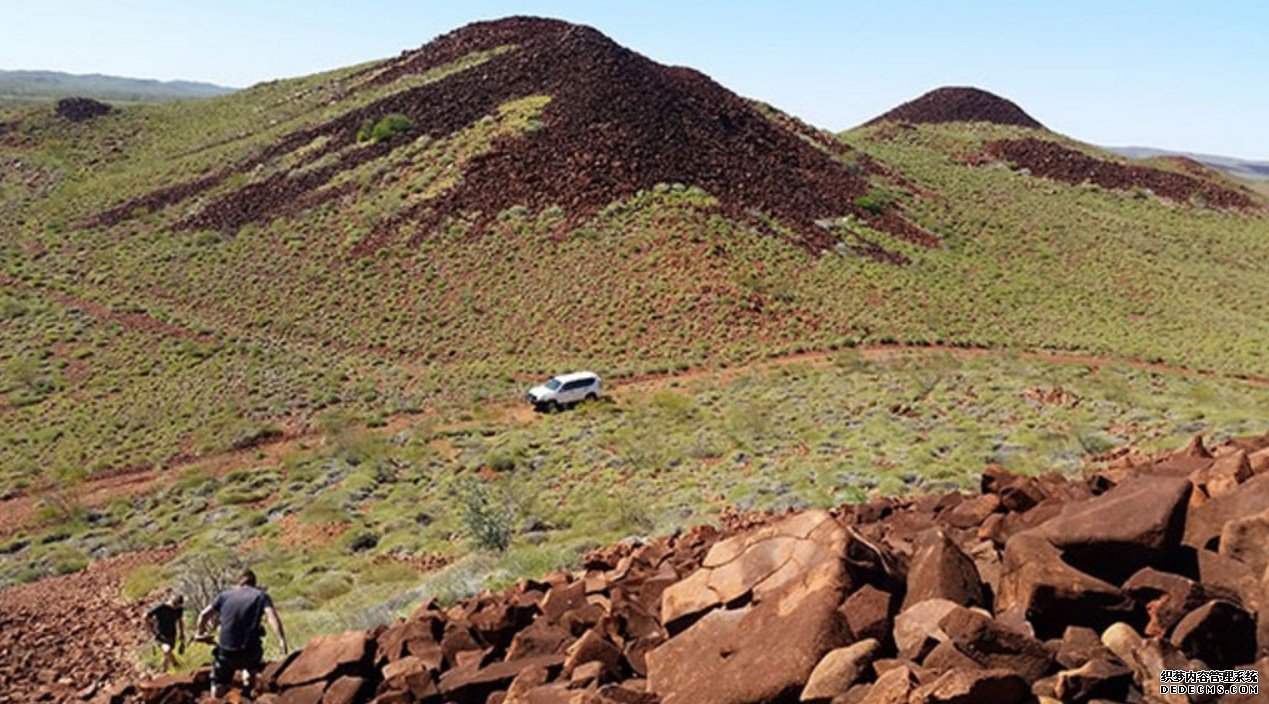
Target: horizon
(1168, 76)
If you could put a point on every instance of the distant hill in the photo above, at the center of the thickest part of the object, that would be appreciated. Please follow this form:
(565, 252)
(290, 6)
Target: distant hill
(1243, 168)
(32, 86)
(959, 104)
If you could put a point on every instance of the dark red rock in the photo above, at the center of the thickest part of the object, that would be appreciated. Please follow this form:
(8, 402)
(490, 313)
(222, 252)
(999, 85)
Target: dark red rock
(941, 570)
(1218, 633)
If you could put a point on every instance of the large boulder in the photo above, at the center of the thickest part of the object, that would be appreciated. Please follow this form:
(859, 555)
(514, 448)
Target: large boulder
(765, 650)
(1134, 525)
(755, 563)
(1218, 633)
(1037, 582)
(1204, 523)
(327, 657)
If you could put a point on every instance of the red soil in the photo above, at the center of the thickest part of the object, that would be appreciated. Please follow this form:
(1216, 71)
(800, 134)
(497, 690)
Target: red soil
(617, 123)
(959, 104)
(1052, 160)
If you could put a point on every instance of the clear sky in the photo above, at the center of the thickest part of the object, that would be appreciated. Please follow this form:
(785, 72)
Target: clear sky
(1163, 73)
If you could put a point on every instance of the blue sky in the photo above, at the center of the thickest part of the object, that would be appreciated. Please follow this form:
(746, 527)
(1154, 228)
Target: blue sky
(1181, 75)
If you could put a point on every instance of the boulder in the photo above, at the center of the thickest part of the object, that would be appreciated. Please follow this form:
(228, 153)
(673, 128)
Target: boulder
(1146, 658)
(1096, 679)
(1229, 579)
(892, 687)
(472, 684)
(542, 637)
(1204, 524)
(1134, 525)
(1165, 598)
(1222, 476)
(1037, 581)
(304, 694)
(1218, 633)
(994, 646)
(411, 674)
(945, 657)
(593, 647)
(917, 629)
(1246, 539)
(941, 570)
(767, 649)
(1259, 461)
(326, 657)
(867, 613)
(1017, 492)
(345, 690)
(757, 562)
(1078, 646)
(972, 512)
(974, 687)
(839, 670)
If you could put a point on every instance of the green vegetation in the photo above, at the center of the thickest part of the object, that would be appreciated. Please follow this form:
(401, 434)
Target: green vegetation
(386, 128)
(504, 496)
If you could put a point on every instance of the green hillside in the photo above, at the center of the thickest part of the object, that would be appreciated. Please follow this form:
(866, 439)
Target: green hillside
(359, 277)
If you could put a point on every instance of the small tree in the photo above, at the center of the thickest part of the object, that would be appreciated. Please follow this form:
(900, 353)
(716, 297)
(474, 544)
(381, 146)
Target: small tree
(486, 513)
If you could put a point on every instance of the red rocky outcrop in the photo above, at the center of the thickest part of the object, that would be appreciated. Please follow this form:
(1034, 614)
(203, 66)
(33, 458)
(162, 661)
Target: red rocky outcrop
(1053, 590)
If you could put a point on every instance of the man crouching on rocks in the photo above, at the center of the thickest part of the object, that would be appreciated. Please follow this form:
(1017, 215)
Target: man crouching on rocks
(239, 647)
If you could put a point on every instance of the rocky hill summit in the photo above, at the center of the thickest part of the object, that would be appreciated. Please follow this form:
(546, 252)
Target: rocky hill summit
(616, 123)
(1034, 589)
(959, 104)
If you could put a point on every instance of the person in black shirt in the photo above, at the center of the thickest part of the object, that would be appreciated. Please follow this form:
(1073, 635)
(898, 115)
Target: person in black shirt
(167, 623)
(239, 647)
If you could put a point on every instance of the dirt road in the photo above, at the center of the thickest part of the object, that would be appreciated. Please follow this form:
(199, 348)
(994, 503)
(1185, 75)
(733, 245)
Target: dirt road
(17, 513)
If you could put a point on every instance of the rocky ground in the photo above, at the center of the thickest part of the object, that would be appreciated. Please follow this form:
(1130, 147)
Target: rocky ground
(1052, 160)
(1032, 590)
(71, 638)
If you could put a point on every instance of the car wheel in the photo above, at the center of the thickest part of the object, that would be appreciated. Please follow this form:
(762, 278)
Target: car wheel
(554, 407)
(592, 396)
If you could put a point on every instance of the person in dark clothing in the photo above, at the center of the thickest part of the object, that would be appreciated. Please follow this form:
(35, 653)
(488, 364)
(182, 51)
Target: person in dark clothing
(239, 647)
(167, 623)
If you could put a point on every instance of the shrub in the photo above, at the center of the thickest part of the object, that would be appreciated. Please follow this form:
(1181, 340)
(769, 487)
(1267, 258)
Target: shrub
(875, 201)
(486, 515)
(386, 128)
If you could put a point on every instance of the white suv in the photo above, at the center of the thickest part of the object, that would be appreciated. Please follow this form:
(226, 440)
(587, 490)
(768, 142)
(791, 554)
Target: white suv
(564, 390)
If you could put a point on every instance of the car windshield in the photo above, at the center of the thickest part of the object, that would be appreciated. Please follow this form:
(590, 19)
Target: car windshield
(553, 384)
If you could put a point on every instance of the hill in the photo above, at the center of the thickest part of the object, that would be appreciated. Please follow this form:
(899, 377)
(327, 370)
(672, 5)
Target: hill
(1242, 168)
(525, 195)
(959, 104)
(21, 87)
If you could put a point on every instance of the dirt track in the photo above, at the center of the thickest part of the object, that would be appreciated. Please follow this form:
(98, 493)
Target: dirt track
(16, 513)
